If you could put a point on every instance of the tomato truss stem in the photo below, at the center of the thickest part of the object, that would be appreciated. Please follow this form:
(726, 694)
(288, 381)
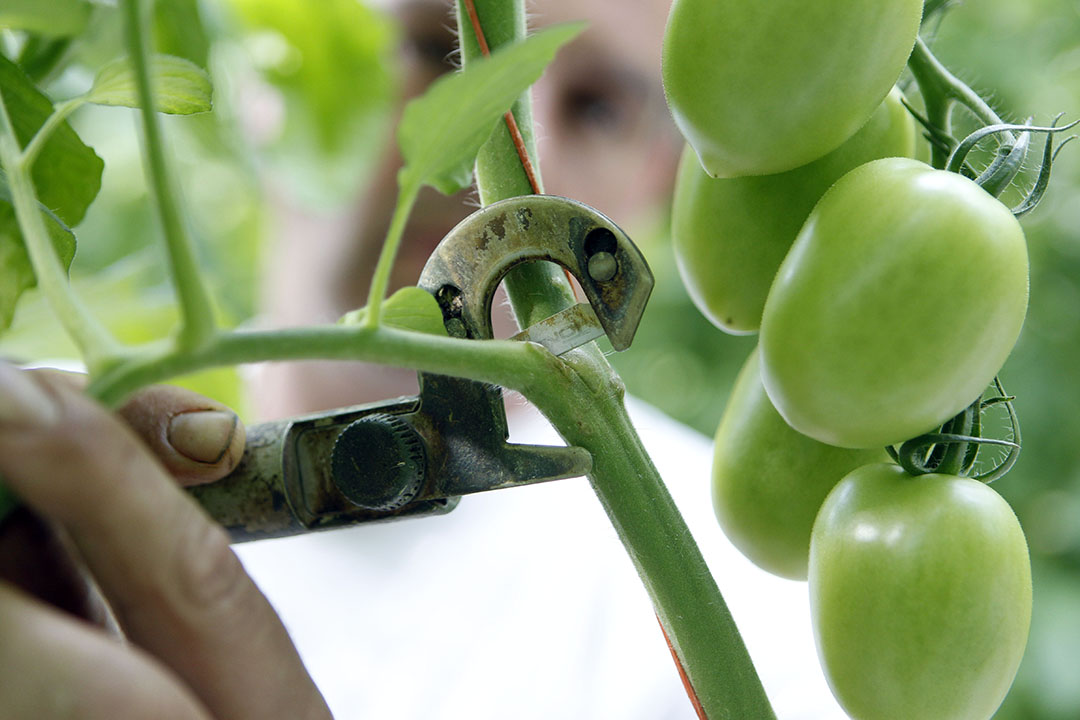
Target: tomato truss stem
(952, 450)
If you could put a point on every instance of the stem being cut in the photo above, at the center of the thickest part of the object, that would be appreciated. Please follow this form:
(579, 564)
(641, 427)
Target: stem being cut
(585, 404)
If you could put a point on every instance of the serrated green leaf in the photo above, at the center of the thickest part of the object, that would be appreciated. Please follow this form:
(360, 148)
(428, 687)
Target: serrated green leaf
(66, 175)
(441, 131)
(410, 308)
(180, 86)
(48, 17)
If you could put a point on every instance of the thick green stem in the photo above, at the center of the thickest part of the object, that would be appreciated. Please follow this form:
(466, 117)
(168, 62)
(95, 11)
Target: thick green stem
(687, 600)
(584, 403)
(536, 290)
(408, 189)
(515, 365)
(95, 343)
(196, 309)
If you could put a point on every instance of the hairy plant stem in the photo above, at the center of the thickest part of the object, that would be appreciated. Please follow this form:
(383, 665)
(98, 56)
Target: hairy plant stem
(940, 89)
(95, 343)
(536, 290)
(585, 405)
(196, 310)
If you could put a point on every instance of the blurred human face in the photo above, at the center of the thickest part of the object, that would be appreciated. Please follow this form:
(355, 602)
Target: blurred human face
(604, 137)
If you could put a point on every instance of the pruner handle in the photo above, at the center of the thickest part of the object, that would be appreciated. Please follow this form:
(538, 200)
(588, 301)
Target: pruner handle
(284, 484)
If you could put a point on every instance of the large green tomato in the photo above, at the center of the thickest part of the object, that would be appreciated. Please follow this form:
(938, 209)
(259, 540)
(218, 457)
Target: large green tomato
(920, 595)
(763, 87)
(896, 306)
(731, 234)
(769, 481)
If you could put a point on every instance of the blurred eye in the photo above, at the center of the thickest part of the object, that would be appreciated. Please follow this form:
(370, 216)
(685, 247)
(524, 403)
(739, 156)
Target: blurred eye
(599, 100)
(594, 109)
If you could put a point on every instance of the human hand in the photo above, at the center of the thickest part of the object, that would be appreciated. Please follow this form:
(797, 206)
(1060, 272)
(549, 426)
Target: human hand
(105, 518)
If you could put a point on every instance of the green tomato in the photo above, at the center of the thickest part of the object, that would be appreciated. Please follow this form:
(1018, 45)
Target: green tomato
(764, 87)
(769, 481)
(898, 303)
(920, 595)
(731, 234)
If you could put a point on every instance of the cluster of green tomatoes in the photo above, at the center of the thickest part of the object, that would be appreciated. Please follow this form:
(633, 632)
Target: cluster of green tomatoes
(887, 295)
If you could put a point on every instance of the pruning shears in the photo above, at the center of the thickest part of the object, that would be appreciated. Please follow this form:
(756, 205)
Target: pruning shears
(416, 456)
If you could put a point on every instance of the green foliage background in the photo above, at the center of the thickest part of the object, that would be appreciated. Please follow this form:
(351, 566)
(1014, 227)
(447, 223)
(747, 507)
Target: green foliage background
(331, 65)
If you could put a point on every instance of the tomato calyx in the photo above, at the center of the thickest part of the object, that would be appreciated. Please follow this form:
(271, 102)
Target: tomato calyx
(1010, 158)
(940, 90)
(953, 449)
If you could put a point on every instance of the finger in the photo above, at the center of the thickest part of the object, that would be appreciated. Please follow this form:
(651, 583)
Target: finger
(57, 667)
(33, 557)
(176, 587)
(198, 439)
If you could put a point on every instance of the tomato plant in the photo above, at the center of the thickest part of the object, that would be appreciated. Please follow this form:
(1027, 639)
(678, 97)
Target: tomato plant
(899, 301)
(897, 305)
(920, 594)
(759, 89)
(730, 234)
(442, 133)
(769, 480)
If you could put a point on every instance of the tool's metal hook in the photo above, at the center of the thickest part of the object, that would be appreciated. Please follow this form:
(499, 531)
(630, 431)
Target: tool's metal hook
(417, 456)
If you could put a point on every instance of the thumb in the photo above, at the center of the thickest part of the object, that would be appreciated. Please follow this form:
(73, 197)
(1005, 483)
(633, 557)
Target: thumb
(198, 439)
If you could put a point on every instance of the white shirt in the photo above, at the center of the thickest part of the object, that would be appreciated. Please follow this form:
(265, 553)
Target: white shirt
(523, 604)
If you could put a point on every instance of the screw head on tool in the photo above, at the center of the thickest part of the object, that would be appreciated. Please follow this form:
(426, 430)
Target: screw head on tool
(378, 462)
(602, 266)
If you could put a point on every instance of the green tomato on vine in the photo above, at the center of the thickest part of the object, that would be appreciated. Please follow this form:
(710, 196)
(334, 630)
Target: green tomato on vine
(760, 88)
(769, 481)
(920, 595)
(897, 305)
(731, 234)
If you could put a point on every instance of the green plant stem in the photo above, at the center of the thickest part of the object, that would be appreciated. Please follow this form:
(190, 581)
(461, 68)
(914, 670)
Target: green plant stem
(510, 364)
(939, 89)
(95, 343)
(536, 290)
(408, 189)
(60, 113)
(587, 409)
(196, 310)
(584, 403)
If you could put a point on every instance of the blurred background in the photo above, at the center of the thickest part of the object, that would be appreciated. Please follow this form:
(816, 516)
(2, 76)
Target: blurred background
(293, 117)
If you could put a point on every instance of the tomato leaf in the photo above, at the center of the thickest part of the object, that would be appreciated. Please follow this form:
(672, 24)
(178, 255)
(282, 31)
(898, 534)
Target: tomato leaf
(410, 308)
(16, 273)
(55, 18)
(180, 86)
(441, 131)
(67, 176)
